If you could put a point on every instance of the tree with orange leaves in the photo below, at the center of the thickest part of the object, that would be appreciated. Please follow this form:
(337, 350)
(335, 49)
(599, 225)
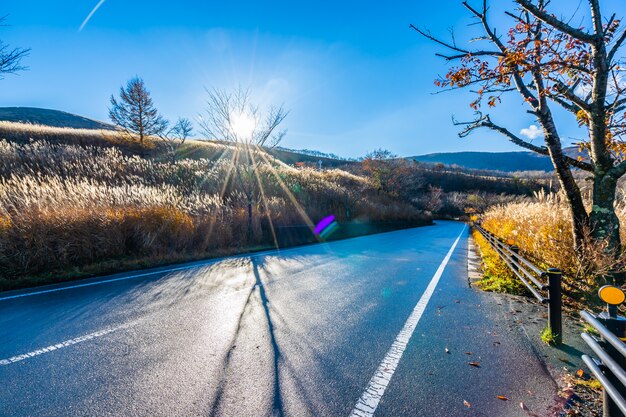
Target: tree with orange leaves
(549, 62)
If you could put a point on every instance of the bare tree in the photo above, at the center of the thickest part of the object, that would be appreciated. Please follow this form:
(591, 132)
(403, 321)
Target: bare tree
(135, 112)
(233, 117)
(10, 58)
(176, 136)
(547, 61)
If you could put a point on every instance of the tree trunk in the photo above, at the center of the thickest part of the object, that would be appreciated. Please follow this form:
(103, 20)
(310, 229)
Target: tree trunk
(604, 224)
(578, 213)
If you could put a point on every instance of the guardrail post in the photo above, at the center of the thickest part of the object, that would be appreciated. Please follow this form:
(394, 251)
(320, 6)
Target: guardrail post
(617, 326)
(555, 304)
(515, 250)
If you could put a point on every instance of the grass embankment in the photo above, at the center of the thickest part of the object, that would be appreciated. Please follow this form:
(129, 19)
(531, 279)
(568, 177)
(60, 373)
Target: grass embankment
(541, 228)
(75, 203)
(497, 276)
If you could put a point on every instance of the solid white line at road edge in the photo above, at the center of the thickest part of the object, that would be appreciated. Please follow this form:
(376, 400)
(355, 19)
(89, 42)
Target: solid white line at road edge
(367, 404)
(64, 344)
(196, 265)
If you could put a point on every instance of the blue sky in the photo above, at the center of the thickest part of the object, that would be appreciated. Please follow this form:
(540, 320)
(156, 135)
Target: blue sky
(352, 74)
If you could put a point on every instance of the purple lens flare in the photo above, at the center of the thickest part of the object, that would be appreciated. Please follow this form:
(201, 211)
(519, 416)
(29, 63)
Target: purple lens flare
(324, 223)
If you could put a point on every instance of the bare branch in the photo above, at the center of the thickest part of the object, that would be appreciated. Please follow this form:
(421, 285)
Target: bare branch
(596, 17)
(11, 58)
(485, 121)
(618, 44)
(569, 93)
(439, 41)
(556, 23)
(473, 53)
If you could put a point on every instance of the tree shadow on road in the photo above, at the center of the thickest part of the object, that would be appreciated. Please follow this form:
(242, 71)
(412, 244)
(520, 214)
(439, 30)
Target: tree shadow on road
(257, 264)
(277, 406)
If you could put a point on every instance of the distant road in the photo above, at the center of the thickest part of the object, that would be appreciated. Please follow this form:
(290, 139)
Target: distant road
(355, 327)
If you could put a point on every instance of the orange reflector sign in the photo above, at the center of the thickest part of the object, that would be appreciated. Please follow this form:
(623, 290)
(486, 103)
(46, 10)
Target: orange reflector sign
(611, 295)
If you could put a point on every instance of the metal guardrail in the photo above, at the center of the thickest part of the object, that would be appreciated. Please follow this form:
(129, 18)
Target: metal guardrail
(608, 346)
(611, 352)
(531, 277)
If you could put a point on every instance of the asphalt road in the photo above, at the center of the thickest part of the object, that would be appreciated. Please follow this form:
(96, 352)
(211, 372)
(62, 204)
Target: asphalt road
(380, 321)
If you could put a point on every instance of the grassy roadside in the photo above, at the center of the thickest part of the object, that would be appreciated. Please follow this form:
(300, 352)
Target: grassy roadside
(580, 391)
(124, 264)
(497, 276)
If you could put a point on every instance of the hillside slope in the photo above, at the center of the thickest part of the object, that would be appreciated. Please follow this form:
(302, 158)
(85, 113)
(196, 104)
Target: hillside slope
(49, 117)
(83, 201)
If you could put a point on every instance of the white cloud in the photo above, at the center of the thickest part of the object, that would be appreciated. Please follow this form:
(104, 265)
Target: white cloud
(531, 132)
(582, 90)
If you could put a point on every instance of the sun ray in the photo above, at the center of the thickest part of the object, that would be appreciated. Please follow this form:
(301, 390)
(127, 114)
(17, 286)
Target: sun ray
(290, 195)
(263, 198)
(226, 181)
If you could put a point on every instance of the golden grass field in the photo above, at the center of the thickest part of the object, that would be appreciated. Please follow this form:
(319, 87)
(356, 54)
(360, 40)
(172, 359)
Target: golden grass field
(78, 202)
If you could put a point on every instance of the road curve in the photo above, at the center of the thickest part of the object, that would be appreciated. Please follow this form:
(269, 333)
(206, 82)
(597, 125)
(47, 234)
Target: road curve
(308, 331)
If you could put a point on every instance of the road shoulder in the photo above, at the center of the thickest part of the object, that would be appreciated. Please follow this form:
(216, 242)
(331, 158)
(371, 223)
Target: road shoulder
(563, 362)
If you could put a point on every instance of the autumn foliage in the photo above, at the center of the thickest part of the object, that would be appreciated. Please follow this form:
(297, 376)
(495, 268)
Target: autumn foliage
(546, 61)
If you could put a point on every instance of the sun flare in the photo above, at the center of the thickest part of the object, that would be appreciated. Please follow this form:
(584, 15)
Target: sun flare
(243, 126)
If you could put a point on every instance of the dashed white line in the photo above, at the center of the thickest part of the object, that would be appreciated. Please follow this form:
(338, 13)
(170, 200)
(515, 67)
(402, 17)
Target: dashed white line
(367, 404)
(51, 348)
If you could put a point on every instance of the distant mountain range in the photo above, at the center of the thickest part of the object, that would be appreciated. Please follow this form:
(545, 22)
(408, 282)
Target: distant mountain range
(48, 117)
(498, 161)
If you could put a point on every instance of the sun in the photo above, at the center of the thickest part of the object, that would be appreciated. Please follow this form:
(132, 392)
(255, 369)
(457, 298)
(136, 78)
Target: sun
(243, 126)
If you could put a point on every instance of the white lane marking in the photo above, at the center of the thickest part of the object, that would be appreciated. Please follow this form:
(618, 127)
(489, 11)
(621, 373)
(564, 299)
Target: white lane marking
(88, 284)
(367, 404)
(161, 271)
(51, 348)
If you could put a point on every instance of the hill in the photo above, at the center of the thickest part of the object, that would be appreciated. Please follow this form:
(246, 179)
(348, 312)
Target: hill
(85, 201)
(496, 161)
(59, 126)
(48, 117)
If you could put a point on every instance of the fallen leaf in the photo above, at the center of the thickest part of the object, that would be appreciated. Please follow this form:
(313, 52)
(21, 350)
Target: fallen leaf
(467, 404)
(468, 353)
(502, 397)
(580, 373)
(475, 364)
